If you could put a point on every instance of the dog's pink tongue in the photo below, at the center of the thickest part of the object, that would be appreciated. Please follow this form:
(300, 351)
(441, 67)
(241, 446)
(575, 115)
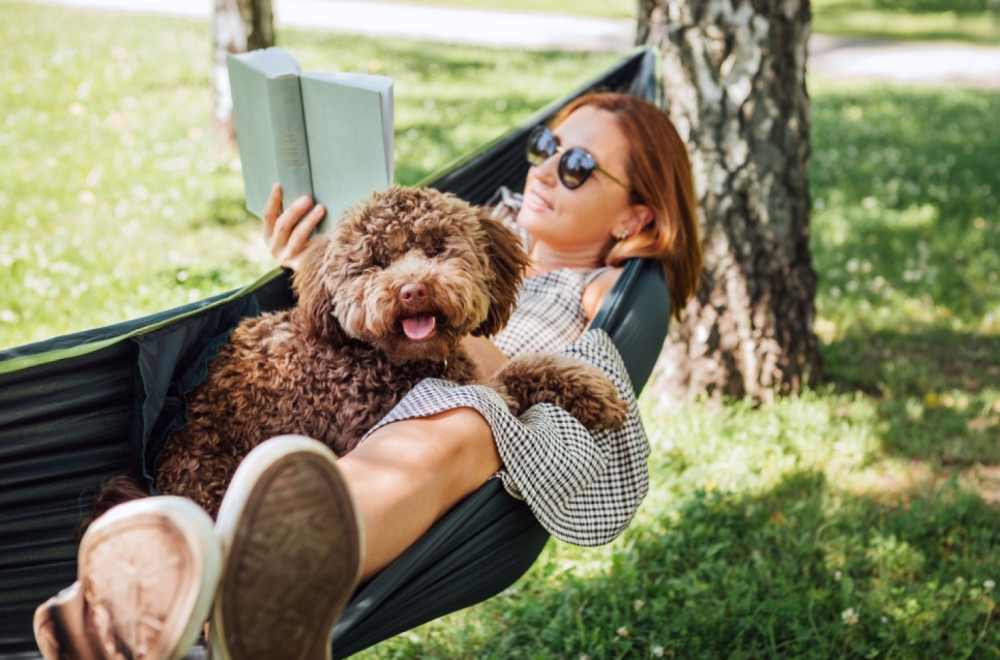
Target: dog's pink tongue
(418, 327)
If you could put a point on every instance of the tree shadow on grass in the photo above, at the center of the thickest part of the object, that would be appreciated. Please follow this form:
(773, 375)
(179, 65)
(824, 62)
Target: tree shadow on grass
(905, 192)
(905, 245)
(798, 571)
(937, 392)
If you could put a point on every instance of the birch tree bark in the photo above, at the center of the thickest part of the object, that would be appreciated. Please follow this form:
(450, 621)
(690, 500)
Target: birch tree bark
(238, 26)
(734, 83)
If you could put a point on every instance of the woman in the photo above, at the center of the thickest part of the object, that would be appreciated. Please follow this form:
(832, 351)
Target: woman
(609, 181)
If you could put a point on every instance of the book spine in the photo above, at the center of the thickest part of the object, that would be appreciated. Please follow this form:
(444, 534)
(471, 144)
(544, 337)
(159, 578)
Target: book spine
(289, 130)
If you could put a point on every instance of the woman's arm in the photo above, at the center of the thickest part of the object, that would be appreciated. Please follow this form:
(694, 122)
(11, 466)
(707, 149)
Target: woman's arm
(486, 354)
(286, 233)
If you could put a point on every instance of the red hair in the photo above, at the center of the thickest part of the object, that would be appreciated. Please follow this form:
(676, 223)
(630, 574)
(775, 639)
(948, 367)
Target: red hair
(660, 172)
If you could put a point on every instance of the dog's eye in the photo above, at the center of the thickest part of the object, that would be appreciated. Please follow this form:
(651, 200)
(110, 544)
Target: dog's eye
(379, 259)
(432, 252)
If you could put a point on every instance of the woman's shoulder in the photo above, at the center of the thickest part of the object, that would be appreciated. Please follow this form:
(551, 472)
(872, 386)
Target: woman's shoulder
(598, 289)
(505, 202)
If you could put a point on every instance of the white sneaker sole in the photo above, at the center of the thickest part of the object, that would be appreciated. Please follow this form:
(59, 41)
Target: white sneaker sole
(148, 570)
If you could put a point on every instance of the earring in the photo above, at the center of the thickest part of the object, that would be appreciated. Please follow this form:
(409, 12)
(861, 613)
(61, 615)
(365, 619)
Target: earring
(622, 234)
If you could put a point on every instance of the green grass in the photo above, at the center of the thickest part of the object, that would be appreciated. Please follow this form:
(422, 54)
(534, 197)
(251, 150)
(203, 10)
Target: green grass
(856, 520)
(596, 8)
(914, 20)
(114, 201)
(938, 20)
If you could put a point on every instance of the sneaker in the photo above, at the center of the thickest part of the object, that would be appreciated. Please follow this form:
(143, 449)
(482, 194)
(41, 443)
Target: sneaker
(61, 630)
(292, 548)
(147, 572)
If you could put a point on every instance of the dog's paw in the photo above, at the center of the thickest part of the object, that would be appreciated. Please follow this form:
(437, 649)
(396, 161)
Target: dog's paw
(580, 389)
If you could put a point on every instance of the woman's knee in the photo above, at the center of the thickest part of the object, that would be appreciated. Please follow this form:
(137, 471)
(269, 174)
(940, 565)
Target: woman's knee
(448, 443)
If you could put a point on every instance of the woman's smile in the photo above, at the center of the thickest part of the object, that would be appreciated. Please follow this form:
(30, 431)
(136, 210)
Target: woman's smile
(537, 202)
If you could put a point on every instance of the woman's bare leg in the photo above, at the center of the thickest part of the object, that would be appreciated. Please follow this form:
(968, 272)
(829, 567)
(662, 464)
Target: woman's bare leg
(408, 473)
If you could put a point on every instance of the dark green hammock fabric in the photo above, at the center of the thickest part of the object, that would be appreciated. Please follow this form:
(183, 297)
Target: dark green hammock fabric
(78, 408)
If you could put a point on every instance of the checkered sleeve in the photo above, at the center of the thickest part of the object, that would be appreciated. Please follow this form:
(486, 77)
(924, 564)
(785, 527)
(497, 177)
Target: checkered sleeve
(583, 487)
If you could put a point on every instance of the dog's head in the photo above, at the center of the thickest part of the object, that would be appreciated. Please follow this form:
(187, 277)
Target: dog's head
(411, 271)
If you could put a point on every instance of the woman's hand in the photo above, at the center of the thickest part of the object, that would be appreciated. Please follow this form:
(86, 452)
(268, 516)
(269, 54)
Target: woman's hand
(286, 235)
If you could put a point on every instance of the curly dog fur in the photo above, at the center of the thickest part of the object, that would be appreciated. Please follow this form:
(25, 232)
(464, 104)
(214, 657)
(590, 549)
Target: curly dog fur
(384, 301)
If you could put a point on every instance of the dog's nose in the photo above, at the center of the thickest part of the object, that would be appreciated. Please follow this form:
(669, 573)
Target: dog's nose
(413, 293)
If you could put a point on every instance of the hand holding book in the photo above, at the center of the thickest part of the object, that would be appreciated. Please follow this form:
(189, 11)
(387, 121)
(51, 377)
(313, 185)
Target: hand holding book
(288, 227)
(326, 135)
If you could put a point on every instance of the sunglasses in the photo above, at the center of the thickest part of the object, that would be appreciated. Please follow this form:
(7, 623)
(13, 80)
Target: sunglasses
(575, 165)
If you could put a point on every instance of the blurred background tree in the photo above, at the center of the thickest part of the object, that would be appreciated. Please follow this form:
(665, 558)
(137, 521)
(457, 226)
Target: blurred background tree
(238, 26)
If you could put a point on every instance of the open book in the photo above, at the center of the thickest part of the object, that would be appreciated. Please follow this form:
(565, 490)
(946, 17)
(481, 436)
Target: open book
(328, 135)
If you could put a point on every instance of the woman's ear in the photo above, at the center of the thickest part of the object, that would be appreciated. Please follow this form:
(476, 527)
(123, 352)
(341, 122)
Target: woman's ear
(644, 215)
(638, 218)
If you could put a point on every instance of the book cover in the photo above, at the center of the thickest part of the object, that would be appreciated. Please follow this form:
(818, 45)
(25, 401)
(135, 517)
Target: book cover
(328, 135)
(352, 155)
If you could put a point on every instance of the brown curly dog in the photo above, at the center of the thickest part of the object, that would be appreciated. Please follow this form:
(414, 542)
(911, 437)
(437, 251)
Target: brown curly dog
(384, 301)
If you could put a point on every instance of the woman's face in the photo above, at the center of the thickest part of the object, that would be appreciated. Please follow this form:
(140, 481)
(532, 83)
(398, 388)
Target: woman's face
(584, 218)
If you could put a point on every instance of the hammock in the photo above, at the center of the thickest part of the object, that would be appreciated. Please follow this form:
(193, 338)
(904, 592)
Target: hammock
(78, 408)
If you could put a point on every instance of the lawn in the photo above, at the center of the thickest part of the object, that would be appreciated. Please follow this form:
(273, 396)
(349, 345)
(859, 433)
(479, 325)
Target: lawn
(616, 9)
(942, 20)
(114, 201)
(855, 520)
(915, 20)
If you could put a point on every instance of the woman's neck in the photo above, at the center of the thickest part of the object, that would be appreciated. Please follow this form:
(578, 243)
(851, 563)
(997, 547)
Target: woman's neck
(545, 258)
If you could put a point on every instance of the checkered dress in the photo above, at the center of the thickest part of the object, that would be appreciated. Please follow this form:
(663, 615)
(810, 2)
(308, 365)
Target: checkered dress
(583, 487)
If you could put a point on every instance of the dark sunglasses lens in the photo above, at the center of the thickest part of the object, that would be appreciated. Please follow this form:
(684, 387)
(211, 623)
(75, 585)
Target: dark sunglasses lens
(574, 167)
(541, 145)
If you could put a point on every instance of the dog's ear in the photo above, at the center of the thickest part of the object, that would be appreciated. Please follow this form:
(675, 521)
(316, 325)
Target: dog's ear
(507, 261)
(313, 290)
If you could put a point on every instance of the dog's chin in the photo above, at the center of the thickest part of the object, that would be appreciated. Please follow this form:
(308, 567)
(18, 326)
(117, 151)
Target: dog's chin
(401, 349)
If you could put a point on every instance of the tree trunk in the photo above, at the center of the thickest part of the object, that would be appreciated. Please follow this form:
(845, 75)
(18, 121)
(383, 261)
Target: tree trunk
(646, 10)
(238, 26)
(734, 82)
